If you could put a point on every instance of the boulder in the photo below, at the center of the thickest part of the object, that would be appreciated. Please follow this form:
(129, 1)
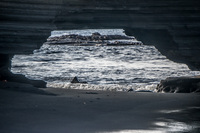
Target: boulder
(179, 85)
(75, 80)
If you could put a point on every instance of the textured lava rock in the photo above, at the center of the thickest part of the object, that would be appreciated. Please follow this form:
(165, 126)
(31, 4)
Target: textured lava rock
(179, 85)
(95, 39)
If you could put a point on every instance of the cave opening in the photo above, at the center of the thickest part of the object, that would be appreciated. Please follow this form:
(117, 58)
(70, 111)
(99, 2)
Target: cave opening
(107, 59)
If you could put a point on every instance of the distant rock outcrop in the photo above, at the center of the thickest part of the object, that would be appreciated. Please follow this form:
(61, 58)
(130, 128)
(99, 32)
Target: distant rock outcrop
(94, 39)
(179, 85)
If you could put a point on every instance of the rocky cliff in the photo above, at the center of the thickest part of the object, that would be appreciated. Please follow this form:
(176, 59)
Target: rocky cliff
(173, 26)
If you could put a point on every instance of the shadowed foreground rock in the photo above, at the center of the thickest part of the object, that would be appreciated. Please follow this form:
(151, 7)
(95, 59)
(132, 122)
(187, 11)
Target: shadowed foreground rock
(7, 76)
(179, 85)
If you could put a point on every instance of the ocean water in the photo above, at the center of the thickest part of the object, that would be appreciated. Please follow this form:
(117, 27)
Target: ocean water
(88, 32)
(117, 68)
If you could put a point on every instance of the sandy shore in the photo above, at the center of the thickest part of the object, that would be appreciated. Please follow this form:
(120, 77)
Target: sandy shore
(83, 111)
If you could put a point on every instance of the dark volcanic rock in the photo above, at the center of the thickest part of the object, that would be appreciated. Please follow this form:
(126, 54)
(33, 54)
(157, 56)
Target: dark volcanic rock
(75, 80)
(179, 85)
(95, 39)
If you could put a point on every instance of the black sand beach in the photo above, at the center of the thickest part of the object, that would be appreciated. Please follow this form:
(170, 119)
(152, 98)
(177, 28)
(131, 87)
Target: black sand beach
(173, 27)
(85, 111)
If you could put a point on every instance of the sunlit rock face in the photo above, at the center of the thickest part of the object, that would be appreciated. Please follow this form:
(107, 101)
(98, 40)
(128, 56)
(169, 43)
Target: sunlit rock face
(172, 26)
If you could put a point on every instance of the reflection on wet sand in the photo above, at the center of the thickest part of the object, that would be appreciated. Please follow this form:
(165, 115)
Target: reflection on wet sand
(172, 124)
(134, 131)
(168, 126)
(176, 126)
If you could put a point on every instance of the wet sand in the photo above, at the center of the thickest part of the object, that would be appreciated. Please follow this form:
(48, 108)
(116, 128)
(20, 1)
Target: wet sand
(85, 111)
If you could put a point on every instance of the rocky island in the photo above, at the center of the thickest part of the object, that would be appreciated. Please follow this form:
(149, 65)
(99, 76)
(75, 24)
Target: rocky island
(96, 39)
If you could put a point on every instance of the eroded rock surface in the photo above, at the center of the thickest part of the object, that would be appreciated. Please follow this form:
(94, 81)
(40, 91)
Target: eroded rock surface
(179, 85)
